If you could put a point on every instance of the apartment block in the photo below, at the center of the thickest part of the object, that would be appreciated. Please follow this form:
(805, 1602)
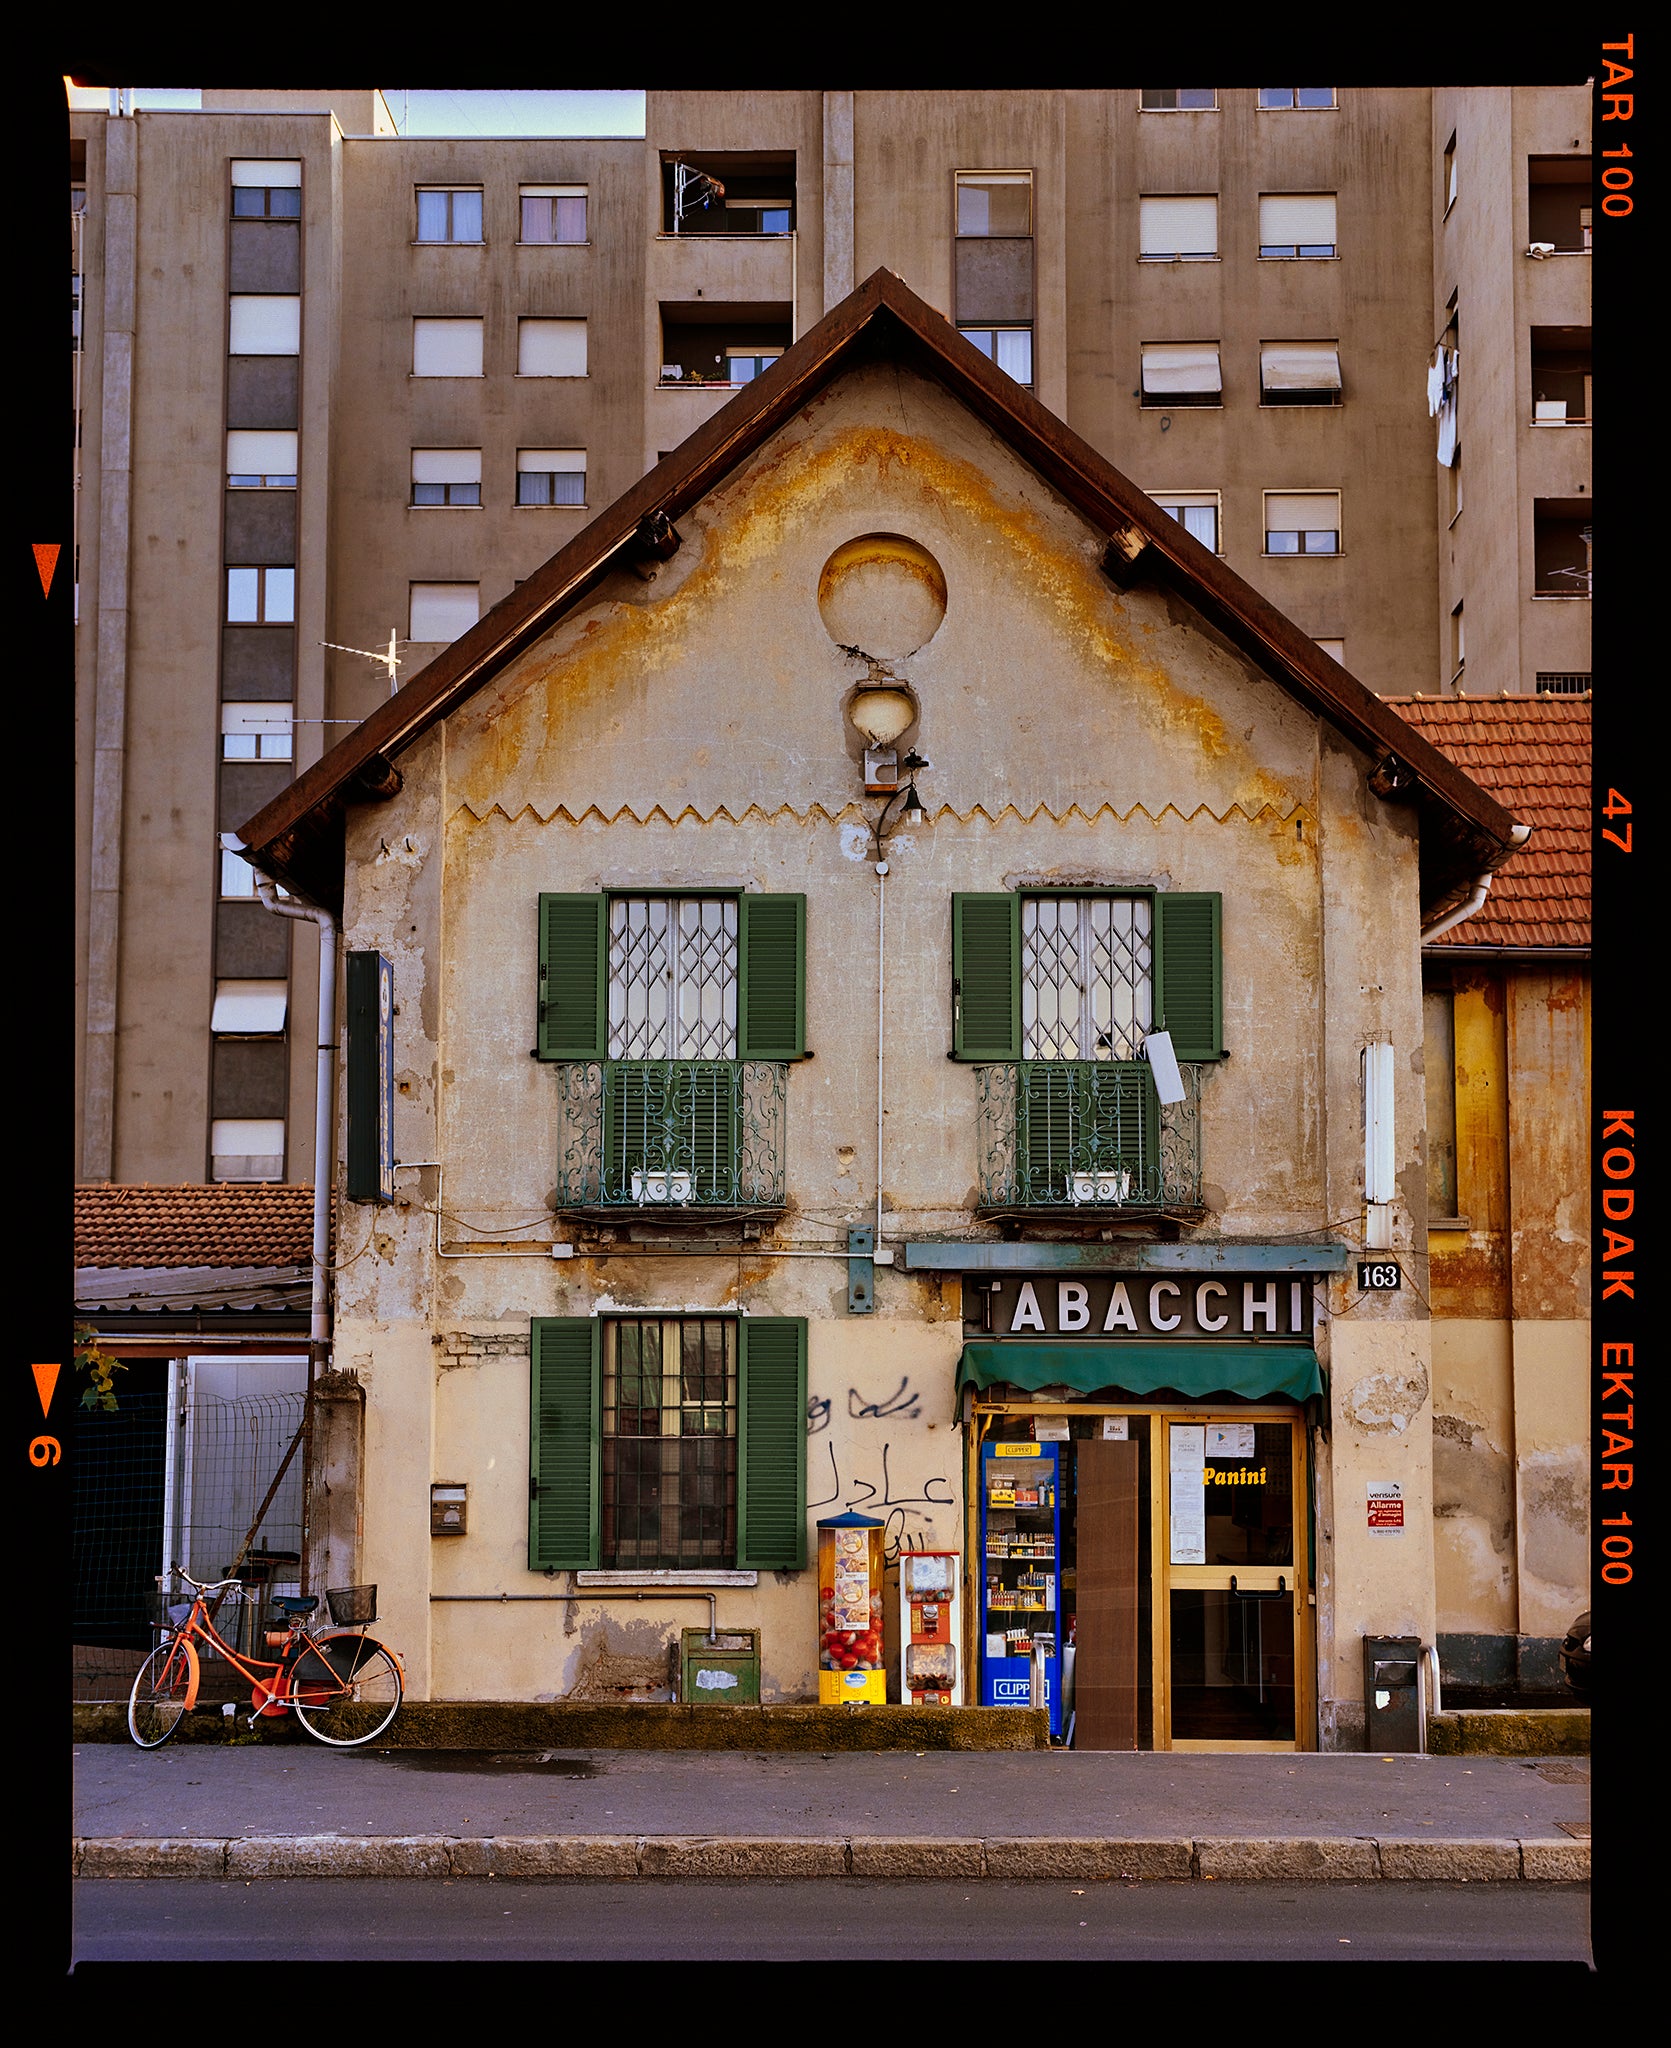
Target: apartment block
(339, 390)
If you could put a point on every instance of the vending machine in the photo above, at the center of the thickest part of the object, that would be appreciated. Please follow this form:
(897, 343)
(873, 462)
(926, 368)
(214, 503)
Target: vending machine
(1020, 1575)
(850, 1661)
(928, 1662)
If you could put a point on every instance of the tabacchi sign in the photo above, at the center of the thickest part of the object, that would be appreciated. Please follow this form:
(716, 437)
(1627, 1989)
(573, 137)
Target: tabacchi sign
(1135, 1306)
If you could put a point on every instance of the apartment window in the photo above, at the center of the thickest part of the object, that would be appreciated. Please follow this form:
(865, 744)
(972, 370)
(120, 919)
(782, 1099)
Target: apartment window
(1302, 522)
(1297, 224)
(1311, 97)
(1011, 348)
(1197, 512)
(260, 459)
(446, 348)
(1174, 99)
(669, 1453)
(265, 188)
(260, 597)
(994, 203)
(1334, 649)
(1561, 542)
(728, 192)
(246, 1148)
(668, 1441)
(1178, 227)
(1299, 373)
(442, 611)
(551, 476)
(449, 213)
(673, 978)
(1561, 376)
(446, 476)
(742, 366)
(1559, 198)
(264, 324)
(249, 1009)
(256, 732)
(553, 213)
(1450, 174)
(551, 348)
(1087, 977)
(1182, 373)
(1459, 645)
(1453, 500)
(237, 877)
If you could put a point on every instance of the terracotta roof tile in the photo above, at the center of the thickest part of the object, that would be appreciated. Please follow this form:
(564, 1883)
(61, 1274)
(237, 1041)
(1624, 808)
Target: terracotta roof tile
(241, 1225)
(1533, 755)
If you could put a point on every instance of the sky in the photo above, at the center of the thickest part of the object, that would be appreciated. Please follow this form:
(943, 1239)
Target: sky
(429, 110)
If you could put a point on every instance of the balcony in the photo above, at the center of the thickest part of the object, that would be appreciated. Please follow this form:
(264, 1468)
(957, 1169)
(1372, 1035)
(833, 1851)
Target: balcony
(1087, 1139)
(695, 1140)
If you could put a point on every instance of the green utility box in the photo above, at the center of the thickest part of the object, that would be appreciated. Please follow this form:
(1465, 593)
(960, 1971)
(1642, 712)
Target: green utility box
(722, 1672)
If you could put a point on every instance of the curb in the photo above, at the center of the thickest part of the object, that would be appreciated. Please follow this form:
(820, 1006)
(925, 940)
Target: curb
(1240, 1860)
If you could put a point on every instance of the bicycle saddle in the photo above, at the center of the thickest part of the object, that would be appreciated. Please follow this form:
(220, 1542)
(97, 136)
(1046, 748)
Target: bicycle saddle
(288, 1603)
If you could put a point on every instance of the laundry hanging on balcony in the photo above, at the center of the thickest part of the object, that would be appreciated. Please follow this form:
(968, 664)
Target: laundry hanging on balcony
(1441, 400)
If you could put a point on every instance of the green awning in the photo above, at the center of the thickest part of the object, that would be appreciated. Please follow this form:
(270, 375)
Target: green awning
(1254, 1371)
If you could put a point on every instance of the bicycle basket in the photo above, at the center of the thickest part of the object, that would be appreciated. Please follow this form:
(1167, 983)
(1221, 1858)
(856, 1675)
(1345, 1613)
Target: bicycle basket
(170, 1606)
(351, 1606)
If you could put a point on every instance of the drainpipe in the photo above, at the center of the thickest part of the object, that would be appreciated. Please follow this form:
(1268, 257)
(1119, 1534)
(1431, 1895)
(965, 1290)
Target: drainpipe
(319, 1325)
(1478, 894)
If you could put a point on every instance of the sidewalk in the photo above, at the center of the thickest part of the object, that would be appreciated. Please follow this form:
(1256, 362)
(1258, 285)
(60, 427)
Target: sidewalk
(292, 1811)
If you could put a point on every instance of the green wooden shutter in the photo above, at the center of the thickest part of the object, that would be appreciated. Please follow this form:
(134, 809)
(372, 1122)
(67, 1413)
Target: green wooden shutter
(1190, 973)
(986, 977)
(574, 978)
(563, 1443)
(771, 1443)
(771, 996)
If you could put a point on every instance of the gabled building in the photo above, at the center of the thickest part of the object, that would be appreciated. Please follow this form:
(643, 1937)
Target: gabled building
(884, 980)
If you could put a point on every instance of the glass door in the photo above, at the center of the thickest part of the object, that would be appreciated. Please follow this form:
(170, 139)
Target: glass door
(1235, 1593)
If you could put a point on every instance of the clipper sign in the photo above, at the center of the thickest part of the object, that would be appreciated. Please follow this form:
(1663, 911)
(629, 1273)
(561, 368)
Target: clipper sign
(1107, 1306)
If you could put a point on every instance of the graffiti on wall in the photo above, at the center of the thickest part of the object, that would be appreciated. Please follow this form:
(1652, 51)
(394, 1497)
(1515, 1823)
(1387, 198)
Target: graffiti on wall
(853, 1468)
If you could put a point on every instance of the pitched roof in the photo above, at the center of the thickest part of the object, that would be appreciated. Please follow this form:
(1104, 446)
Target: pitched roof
(239, 1226)
(1533, 754)
(298, 838)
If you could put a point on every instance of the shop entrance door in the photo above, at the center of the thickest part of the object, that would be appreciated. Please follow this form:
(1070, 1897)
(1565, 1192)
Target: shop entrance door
(1235, 1592)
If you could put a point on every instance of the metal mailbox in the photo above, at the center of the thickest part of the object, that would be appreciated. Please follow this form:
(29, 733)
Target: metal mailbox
(1392, 1693)
(722, 1670)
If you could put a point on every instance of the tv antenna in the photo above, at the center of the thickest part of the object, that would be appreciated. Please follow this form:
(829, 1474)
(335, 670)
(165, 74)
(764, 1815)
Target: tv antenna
(389, 658)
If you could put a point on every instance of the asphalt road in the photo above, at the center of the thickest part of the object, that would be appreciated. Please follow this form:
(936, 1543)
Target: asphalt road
(370, 1920)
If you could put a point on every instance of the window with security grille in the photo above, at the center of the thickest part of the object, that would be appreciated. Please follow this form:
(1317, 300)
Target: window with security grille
(669, 1449)
(673, 978)
(1087, 977)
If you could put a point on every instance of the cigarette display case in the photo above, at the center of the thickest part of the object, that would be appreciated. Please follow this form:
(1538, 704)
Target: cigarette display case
(1020, 1575)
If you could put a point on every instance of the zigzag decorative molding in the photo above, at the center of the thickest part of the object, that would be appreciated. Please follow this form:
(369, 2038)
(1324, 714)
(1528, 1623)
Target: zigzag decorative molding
(817, 814)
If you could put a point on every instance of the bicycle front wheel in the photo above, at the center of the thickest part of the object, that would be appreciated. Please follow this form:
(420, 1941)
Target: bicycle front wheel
(345, 1691)
(163, 1690)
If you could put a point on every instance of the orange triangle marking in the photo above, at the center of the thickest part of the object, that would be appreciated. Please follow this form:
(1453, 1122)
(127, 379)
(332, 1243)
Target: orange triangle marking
(46, 1378)
(46, 560)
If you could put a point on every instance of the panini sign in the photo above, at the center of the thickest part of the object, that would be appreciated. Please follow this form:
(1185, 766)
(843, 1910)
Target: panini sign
(1137, 1306)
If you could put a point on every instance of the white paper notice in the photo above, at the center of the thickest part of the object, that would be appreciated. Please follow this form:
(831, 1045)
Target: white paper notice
(1229, 1439)
(1116, 1429)
(1189, 1493)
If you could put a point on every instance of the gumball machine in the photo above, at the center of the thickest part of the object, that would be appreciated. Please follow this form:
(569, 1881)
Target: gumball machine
(850, 1664)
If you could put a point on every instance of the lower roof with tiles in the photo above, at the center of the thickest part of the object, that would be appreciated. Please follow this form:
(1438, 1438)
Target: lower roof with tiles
(228, 1225)
(1533, 755)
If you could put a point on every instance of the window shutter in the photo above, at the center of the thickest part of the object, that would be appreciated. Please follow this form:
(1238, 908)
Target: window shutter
(986, 977)
(563, 1444)
(771, 1443)
(771, 1008)
(1190, 973)
(574, 978)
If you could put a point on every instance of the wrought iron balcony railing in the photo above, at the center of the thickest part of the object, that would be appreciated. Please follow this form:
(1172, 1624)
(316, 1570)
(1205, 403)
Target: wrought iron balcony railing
(1078, 1135)
(670, 1136)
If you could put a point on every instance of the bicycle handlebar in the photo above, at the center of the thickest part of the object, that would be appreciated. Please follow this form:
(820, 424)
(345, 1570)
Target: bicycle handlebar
(203, 1585)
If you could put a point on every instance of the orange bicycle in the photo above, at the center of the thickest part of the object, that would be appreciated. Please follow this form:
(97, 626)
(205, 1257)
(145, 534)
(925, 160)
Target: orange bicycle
(344, 1687)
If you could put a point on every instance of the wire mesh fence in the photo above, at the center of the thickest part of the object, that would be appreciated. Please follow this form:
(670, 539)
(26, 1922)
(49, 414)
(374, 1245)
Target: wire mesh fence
(179, 1475)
